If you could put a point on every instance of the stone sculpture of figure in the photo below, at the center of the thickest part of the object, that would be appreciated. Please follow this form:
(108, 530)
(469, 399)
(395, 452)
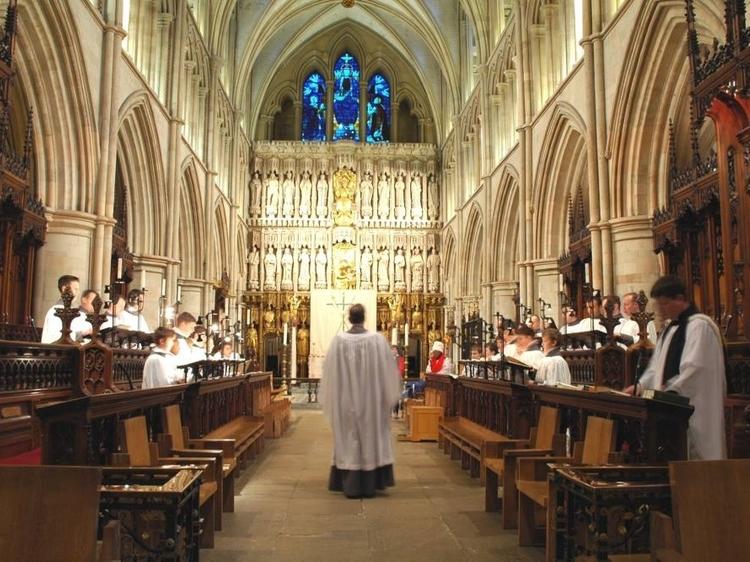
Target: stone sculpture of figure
(269, 318)
(416, 319)
(270, 266)
(433, 201)
(287, 264)
(384, 196)
(383, 261)
(321, 189)
(305, 194)
(256, 194)
(399, 189)
(433, 335)
(399, 265)
(433, 271)
(303, 343)
(365, 192)
(253, 262)
(417, 270)
(288, 190)
(365, 266)
(303, 281)
(320, 268)
(415, 189)
(272, 195)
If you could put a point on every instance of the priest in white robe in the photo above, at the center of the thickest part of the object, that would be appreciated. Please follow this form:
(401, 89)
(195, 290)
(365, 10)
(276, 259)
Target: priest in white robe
(359, 387)
(689, 360)
(553, 368)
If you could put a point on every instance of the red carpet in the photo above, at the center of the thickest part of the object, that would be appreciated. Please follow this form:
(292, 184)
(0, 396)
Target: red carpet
(29, 457)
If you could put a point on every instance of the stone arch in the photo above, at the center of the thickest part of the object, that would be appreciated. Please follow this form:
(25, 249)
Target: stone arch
(220, 238)
(472, 252)
(140, 156)
(450, 281)
(346, 41)
(561, 169)
(50, 64)
(653, 89)
(505, 221)
(192, 237)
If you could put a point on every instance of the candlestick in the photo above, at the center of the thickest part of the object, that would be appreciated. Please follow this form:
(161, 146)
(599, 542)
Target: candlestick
(163, 286)
(406, 335)
(143, 278)
(119, 268)
(294, 353)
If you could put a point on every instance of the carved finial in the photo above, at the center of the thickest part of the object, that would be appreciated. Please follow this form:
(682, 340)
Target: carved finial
(96, 319)
(642, 318)
(66, 314)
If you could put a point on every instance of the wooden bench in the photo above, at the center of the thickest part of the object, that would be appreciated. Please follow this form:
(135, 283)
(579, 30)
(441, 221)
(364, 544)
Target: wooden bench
(470, 443)
(176, 441)
(710, 501)
(50, 513)
(139, 452)
(247, 433)
(276, 417)
(423, 422)
(533, 485)
(545, 440)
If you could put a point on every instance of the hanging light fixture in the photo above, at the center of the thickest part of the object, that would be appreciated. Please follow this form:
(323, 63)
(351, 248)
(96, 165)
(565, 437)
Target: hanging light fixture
(347, 3)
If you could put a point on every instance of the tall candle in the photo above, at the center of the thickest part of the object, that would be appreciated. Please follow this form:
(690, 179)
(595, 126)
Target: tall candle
(406, 335)
(179, 293)
(119, 268)
(394, 336)
(163, 287)
(286, 332)
(587, 272)
(561, 282)
(294, 352)
(143, 278)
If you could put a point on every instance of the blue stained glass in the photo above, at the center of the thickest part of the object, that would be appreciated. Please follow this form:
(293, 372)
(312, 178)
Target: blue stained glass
(314, 108)
(378, 109)
(346, 98)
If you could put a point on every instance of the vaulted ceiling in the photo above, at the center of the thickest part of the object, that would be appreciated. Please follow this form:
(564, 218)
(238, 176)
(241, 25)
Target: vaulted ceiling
(425, 32)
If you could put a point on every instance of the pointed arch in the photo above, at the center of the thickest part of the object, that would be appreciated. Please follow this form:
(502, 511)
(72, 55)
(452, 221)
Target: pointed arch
(221, 240)
(192, 229)
(472, 252)
(140, 155)
(505, 221)
(561, 170)
(450, 281)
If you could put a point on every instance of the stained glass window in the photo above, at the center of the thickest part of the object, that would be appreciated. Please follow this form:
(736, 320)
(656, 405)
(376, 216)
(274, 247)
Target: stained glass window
(346, 98)
(378, 109)
(314, 108)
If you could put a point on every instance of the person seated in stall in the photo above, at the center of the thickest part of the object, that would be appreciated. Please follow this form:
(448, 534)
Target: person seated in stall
(627, 330)
(114, 310)
(630, 306)
(572, 322)
(81, 324)
(527, 348)
(52, 328)
(535, 323)
(509, 343)
(131, 318)
(553, 368)
(226, 352)
(160, 368)
(492, 353)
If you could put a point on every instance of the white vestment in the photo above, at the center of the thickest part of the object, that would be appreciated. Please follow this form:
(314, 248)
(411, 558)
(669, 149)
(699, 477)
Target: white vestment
(160, 369)
(532, 358)
(360, 385)
(52, 329)
(702, 379)
(130, 321)
(552, 369)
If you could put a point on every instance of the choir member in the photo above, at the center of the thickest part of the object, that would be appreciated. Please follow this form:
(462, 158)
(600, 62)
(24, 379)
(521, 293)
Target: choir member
(553, 368)
(52, 329)
(631, 306)
(226, 352)
(626, 332)
(492, 353)
(131, 318)
(527, 349)
(114, 310)
(160, 368)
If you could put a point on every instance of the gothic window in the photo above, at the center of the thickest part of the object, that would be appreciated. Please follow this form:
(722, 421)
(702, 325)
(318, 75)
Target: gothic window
(346, 98)
(314, 108)
(378, 109)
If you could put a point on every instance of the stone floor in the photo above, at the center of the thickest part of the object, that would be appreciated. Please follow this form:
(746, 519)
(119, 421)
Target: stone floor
(285, 513)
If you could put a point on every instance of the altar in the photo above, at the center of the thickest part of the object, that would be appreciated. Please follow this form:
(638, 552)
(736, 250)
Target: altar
(328, 317)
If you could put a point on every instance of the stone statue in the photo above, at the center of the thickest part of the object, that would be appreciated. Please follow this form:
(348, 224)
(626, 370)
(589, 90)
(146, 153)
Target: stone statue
(433, 201)
(303, 281)
(303, 343)
(270, 266)
(321, 189)
(272, 195)
(269, 316)
(365, 267)
(305, 189)
(320, 268)
(383, 261)
(399, 265)
(287, 264)
(384, 196)
(288, 190)
(253, 262)
(399, 189)
(433, 271)
(365, 192)
(417, 270)
(416, 319)
(433, 335)
(256, 194)
(415, 188)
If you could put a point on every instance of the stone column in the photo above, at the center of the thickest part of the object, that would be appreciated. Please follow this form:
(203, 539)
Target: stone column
(363, 110)
(329, 110)
(637, 267)
(297, 120)
(394, 120)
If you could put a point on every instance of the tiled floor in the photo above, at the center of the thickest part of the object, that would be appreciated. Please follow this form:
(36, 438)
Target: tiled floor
(285, 512)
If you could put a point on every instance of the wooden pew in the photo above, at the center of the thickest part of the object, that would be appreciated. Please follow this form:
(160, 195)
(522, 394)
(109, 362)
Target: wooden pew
(139, 452)
(545, 440)
(176, 440)
(533, 488)
(36, 522)
(470, 443)
(710, 505)
(276, 417)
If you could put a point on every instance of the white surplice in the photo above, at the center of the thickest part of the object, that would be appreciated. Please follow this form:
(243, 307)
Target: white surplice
(360, 385)
(52, 328)
(160, 369)
(133, 321)
(552, 369)
(702, 379)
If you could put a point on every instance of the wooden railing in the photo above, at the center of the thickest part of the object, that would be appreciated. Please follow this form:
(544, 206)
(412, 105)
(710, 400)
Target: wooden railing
(19, 332)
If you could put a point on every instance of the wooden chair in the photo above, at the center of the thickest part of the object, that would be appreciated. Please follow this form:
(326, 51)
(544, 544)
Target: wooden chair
(142, 453)
(533, 488)
(177, 441)
(710, 502)
(50, 513)
(544, 440)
